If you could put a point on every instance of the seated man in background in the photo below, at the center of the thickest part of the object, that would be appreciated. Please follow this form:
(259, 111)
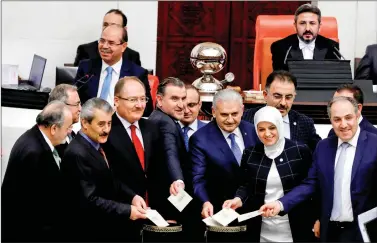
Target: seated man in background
(32, 190)
(90, 50)
(306, 43)
(367, 68)
(97, 77)
(280, 92)
(190, 122)
(67, 94)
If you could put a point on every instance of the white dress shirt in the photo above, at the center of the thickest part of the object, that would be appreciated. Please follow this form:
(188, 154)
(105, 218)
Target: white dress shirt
(49, 144)
(193, 127)
(127, 125)
(287, 129)
(346, 211)
(114, 79)
(307, 49)
(238, 137)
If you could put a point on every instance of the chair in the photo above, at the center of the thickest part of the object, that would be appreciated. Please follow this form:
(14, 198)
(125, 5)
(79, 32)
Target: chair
(153, 84)
(270, 28)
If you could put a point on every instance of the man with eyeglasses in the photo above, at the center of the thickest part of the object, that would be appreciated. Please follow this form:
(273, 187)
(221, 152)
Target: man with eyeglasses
(67, 94)
(97, 77)
(90, 50)
(280, 93)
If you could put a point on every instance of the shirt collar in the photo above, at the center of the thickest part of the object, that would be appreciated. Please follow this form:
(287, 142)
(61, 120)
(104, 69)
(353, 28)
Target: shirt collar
(353, 141)
(193, 126)
(116, 67)
(47, 140)
(236, 132)
(94, 144)
(361, 118)
(302, 44)
(126, 123)
(286, 119)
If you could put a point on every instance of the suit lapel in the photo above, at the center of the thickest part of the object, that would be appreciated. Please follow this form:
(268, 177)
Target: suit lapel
(329, 166)
(45, 146)
(361, 144)
(91, 150)
(125, 69)
(320, 49)
(246, 135)
(292, 127)
(96, 72)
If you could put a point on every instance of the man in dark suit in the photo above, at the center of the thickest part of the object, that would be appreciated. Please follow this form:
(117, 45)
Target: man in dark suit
(216, 164)
(67, 94)
(97, 77)
(90, 50)
(280, 92)
(353, 91)
(306, 43)
(367, 68)
(98, 204)
(190, 122)
(32, 187)
(344, 172)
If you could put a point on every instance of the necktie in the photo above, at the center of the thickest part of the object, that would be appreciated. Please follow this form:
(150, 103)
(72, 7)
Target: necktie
(106, 83)
(56, 157)
(339, 168)
(138, 147)
(234, 147)
(185, 136)
(104, 156)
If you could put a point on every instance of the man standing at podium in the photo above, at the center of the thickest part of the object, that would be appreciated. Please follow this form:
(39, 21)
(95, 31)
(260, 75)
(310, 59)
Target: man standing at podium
(306, 43)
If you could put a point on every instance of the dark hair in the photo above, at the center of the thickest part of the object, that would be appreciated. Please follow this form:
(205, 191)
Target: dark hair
(169, 81)
(122, 82)
(117, 11)
(358, 94)
(281, 75)
(307, 7)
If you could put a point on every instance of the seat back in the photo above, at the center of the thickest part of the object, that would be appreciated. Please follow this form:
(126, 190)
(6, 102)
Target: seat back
(270, 28)
(153, 84)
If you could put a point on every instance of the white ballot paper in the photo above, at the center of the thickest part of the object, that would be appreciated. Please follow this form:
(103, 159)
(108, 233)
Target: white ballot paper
(209, 221)
(181, 200)
(156, 218)
(247, 216)
(225, 216)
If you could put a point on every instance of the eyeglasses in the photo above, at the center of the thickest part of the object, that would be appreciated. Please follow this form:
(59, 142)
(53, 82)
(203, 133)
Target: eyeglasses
(135, 100)
(109, 43)
(75, 105)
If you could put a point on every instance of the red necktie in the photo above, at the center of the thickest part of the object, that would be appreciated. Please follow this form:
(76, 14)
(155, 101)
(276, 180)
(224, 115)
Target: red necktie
(104, 156)
(140, 152)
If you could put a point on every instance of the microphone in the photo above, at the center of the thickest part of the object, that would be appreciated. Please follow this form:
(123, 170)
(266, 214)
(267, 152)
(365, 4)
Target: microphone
(338, 53)
(286, 54)
(87, 77)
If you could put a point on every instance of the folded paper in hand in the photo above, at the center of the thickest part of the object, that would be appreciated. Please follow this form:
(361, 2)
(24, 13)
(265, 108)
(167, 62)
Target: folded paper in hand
(181, 200)
(247, 216)
(225, 216)
(156, 218)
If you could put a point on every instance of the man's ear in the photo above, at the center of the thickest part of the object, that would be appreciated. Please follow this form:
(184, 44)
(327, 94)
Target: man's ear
(159, 100)
(53, 129)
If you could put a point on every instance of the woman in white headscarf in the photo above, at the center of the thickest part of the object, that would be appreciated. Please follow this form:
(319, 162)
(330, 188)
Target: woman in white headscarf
(271, 169)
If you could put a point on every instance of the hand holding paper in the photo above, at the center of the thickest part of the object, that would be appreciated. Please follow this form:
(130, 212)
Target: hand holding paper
(247, 216)
(225, 216)
(181, 200)
(156, 218)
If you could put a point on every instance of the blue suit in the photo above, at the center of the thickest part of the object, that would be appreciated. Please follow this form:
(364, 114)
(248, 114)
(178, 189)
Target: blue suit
(215, 169)
(201, 124)
(321, 176)
(88, 86)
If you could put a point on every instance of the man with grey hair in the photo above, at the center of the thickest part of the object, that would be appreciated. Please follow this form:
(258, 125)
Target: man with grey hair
(215, 173)
(344, 172)
(67, 94)
(306, 43)
(32, 186)
(99, 204)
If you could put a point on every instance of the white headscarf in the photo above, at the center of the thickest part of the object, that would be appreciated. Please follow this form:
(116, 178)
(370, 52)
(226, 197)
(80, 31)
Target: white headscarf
(271, 114)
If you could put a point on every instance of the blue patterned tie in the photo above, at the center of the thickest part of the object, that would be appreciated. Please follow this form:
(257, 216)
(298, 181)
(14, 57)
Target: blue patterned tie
(106, 84)
(234, 147)
(339, 169)
(185, 136)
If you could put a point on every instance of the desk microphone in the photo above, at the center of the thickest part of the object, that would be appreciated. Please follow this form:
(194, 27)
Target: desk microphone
(337, 50)
(286, 54)
(83, 82)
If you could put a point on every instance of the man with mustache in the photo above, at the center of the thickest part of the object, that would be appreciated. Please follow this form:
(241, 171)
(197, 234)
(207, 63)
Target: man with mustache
(306, 43)
(280, 92)
(97, 77)
(99, 206)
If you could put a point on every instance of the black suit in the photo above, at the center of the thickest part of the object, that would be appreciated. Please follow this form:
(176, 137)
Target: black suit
(32, 192)
(367, 68)
(364, 125)
(324, 49)
(61, 147)
(98, 202)
(301, 127)
(90, 51)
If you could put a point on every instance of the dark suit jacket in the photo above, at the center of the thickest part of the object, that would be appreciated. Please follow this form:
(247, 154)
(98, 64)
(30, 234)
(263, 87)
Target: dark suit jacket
(367, 68)
(363, 187)
(215, 170)
(61, 147)
(32, 192)
(88, 88)
(293, 165)
(324, 49)
(98, 202)
(364, 125)
(90, 51)
(301, 127)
